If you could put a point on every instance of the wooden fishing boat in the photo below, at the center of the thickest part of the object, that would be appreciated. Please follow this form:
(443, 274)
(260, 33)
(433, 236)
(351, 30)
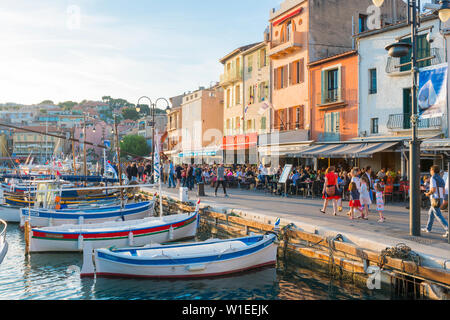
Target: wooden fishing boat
(47, 217)
(190, 260)
(24, 202)
(120, 234)
(3, 242)
(10, 213)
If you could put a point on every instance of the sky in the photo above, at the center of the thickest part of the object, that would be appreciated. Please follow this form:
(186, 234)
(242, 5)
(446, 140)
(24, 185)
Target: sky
(85, 49)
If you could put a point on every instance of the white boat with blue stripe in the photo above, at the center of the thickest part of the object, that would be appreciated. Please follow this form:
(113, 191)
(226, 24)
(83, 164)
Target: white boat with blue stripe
(191, 260)
(3, 242)
(51, 217)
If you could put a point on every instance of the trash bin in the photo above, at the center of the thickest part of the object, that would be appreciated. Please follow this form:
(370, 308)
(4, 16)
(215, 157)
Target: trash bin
(184, 196)
(201, 189)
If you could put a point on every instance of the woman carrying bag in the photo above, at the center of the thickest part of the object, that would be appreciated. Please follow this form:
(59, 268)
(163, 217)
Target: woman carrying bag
(330, 190)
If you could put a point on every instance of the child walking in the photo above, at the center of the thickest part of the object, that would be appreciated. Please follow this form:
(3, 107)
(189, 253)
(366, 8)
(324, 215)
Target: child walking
(365, 198)
(354, 200)
(380, 202)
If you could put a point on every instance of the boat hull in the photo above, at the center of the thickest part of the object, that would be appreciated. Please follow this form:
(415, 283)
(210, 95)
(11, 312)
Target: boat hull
(108, 264)
(118, 234)
(47, 218)
(10, 213)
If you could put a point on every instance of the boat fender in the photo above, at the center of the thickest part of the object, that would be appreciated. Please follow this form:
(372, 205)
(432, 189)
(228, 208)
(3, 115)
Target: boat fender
(130, 239)
(80, 242)
(171, 233)
(80, 220)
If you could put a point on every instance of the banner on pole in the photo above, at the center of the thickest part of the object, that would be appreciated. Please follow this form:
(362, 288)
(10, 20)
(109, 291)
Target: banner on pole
(432, 91)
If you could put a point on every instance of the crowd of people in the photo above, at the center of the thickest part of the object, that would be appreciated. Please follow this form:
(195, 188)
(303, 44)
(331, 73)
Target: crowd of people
(363, 188)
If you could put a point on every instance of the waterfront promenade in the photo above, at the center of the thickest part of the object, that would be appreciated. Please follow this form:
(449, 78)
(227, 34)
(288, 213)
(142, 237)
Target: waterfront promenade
(305, 214)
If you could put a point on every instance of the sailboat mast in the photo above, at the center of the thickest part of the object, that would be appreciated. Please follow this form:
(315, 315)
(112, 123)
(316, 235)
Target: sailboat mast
(118, 159)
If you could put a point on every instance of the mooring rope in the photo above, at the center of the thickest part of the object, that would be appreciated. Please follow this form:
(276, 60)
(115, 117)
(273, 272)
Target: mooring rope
(403, 252)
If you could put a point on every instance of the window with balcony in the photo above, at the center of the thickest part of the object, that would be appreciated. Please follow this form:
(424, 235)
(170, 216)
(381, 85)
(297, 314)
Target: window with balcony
(331, 85)
(423, 51)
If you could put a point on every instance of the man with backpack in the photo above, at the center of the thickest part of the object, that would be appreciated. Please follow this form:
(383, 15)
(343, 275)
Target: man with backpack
(436, 194)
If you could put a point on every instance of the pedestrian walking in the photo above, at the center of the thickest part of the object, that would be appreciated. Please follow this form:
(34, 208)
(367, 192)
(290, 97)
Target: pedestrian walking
(171, 174)
(436, 194)
(221, 180)
(178, 172)
(380, 201)
(354, 199)
(365, 197)
(330, 190)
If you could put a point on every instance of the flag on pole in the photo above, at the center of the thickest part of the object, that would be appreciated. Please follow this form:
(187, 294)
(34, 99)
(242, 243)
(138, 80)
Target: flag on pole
(263, 108)
(110, 168)
(157, 158)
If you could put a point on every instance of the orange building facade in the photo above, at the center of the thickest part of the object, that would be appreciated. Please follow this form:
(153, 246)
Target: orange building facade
(333, 94)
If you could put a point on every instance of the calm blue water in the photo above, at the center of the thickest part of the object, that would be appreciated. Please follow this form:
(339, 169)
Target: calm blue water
(48, 276)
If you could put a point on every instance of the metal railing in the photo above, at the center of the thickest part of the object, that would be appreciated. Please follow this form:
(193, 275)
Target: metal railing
(403, 121)
(295, 39)
(394, 65)
(232, 75)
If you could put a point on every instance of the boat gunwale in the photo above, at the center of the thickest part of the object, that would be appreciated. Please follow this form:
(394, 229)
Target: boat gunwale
(133, 260)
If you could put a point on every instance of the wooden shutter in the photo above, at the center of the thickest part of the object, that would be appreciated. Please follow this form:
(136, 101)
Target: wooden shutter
(324, 87)
(301, 70)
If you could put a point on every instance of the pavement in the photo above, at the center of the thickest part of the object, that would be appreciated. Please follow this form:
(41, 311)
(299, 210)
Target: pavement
(305, 214)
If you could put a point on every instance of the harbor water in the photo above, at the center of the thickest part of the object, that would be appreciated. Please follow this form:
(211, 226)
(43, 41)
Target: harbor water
(56, 277)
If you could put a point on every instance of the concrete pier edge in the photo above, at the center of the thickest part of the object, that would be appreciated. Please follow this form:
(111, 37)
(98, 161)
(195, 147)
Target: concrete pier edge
(431, 256)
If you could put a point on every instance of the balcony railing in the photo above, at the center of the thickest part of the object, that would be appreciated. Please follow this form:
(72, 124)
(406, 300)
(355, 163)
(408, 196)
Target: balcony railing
(329, 137)
(403, 122)
(331, 96)
(393, 64)
(232, 75)
(288, 126)
(279, 47)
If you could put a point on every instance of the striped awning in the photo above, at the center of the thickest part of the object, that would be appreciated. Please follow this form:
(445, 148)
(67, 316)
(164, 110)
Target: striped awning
(345, 150)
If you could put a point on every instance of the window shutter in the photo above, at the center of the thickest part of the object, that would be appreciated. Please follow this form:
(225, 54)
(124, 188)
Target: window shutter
(275, 79)
(286, 75)
(339, 84)
(292, 73)
(302, 70)
(259, 59)
(324, 86)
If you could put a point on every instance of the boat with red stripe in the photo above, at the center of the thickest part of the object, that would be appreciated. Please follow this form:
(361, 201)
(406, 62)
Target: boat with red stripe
(119, 234)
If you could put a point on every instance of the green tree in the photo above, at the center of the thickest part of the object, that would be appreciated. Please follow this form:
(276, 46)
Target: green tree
(134, 144)
(49, 102)
(68, 105)
(131, 114)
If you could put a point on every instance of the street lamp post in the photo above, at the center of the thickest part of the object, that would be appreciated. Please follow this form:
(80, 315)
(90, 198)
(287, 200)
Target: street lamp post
(153, 106)
(401, 49)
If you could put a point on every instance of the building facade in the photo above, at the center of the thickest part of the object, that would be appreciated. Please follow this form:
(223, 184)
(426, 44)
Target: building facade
(385, 92)
(202, 126)
(174, 129)
(237, 144)
(302, 32)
